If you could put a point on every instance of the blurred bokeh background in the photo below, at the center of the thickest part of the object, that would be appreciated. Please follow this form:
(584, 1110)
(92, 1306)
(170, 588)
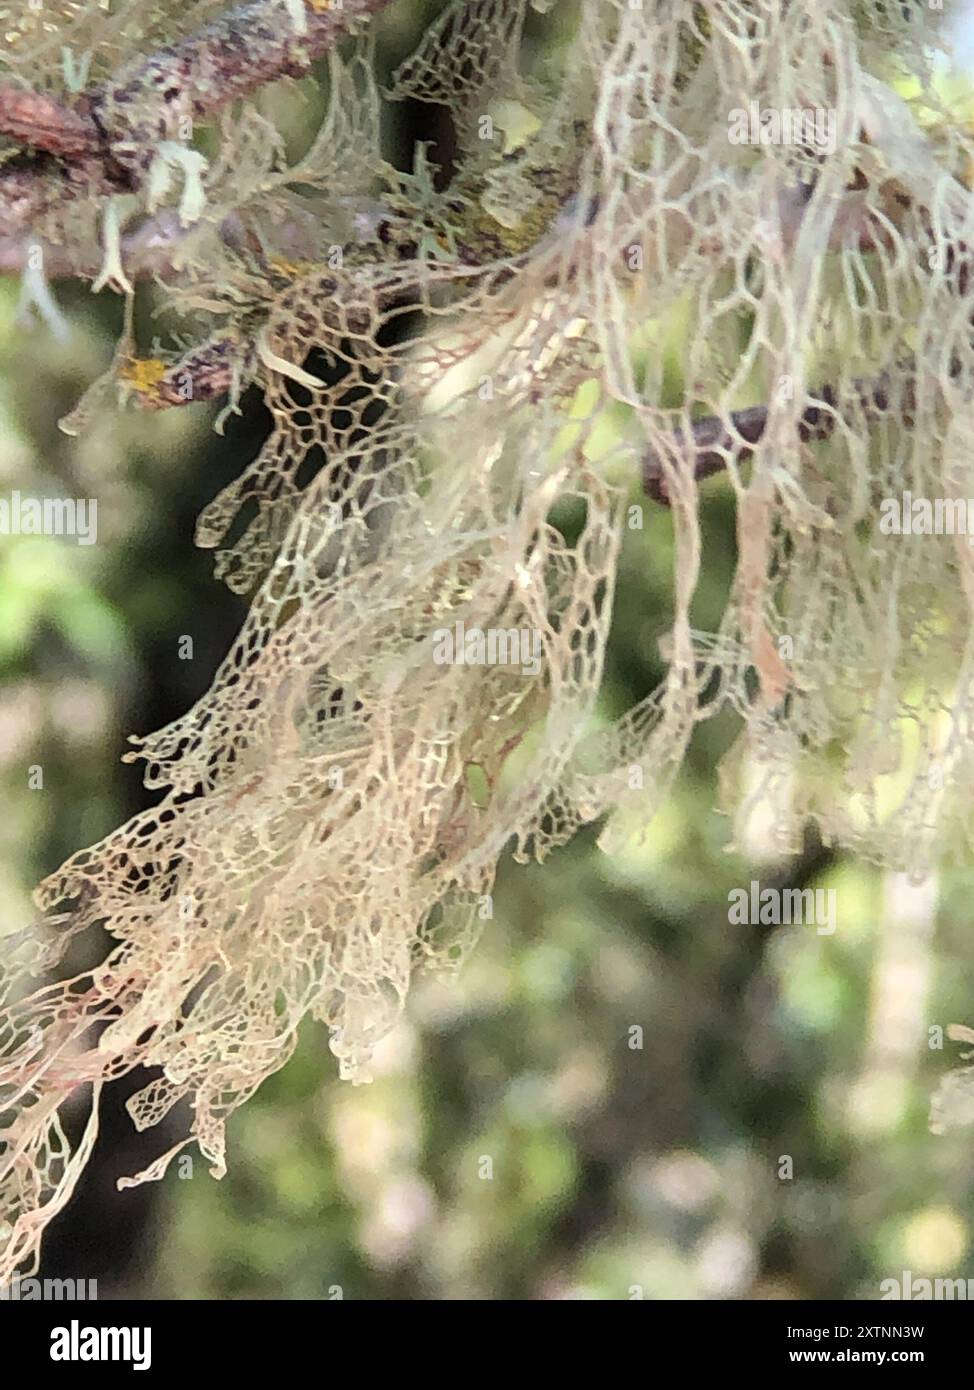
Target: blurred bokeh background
(623, 1095)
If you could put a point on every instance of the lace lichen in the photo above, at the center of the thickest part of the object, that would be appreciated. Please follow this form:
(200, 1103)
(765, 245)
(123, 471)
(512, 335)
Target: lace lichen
(318, 837)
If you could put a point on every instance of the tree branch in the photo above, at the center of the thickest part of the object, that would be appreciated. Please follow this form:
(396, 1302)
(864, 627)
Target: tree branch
(712, 445)
(114, 130)
(245, 49)
(36, 120)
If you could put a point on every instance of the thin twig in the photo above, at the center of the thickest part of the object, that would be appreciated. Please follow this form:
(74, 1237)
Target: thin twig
(713, 445)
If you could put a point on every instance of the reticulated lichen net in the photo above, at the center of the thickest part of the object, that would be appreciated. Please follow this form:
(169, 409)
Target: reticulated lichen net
(334, 807)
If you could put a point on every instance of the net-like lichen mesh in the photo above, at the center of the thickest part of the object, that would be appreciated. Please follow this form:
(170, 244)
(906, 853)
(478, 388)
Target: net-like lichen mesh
(334, 807)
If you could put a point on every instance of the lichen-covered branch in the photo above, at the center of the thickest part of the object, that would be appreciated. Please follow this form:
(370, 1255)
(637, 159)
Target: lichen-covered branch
(245, 49)
(108, 140)
(39, 122)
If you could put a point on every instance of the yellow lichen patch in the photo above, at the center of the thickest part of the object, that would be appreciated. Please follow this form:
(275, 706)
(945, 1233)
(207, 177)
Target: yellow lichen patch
(516, 238)
(143, 374)
(289, 270)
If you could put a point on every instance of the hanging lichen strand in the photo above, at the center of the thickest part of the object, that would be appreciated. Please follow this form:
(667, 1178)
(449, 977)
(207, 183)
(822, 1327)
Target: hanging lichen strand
(335, 805)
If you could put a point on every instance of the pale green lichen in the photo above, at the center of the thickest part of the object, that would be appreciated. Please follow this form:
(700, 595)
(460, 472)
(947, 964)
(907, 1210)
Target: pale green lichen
(279, 364)
(75, 70)
(169, 156)
(299, 18)
(431, 214)
(112, 272)
(35, 295)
